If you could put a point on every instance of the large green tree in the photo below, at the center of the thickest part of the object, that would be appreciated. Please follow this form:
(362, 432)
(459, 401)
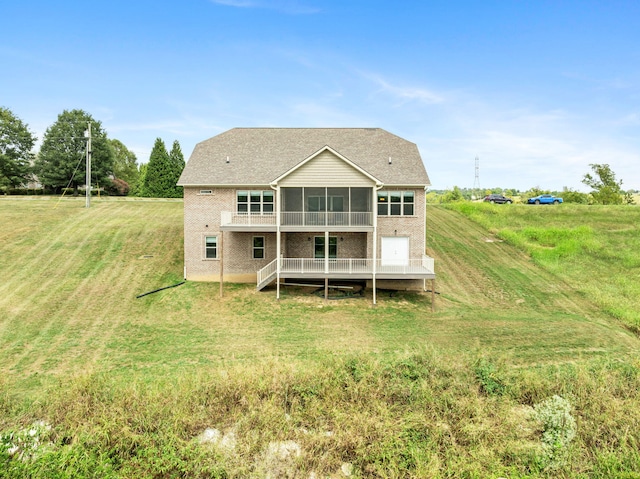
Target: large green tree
(61, 160)
(125, 163)
(163, 171)
(157, 180)
(137, 189)
(605, 189)
(177, 164)
(16, 143)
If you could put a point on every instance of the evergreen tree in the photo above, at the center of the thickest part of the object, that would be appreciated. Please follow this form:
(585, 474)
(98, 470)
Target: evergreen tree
(61, 160)
(137, 189)
(125, 166)
(16, 143)
(177, 163)
(163, 171)
(158, 178)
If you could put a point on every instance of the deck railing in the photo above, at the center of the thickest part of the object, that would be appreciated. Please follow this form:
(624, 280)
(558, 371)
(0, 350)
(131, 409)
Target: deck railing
(356, 265)
(267, 272)
(298, 218)
(230, 218)
(344, 266)
(326, 218)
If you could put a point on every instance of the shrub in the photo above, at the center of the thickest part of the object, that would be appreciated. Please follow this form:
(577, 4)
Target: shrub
(558, 430)
(118, 187)
(577, 197)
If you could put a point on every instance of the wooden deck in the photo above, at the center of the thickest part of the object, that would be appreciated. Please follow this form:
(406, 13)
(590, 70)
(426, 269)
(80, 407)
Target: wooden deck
(347, 268)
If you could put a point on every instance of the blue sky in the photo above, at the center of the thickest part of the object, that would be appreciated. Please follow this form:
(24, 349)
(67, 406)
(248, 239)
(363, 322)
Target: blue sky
(537, 90)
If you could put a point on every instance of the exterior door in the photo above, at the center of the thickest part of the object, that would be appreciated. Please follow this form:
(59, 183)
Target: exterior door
(319, 247)
(394, 251)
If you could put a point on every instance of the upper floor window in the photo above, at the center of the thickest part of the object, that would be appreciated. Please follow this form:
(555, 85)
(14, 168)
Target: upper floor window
(255, 202)
(396, 203)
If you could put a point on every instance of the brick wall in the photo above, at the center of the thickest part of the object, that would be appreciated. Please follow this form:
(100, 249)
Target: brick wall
(411, 226)
(202, 218)
(301, 245)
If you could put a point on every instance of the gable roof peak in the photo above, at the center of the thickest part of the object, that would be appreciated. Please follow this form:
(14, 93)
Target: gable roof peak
(262, 155)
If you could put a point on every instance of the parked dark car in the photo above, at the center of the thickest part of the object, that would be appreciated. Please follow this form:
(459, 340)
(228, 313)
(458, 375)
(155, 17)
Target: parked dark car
(497, 199)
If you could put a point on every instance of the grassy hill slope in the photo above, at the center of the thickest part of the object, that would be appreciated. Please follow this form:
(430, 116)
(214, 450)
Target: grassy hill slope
(71, 276)
(596, 249)
(389, 391)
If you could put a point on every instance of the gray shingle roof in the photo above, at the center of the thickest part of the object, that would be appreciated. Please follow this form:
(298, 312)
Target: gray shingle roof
(257, 156)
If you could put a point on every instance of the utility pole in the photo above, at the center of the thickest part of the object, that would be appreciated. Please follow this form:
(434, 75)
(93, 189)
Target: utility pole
(87, 134)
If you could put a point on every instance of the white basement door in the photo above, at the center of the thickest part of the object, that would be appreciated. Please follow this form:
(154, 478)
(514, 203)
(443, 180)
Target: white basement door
(394, 250)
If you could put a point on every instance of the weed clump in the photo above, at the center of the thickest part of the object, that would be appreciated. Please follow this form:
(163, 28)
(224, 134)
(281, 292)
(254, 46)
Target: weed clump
(27, 443)
(491, 381)
(558, 430)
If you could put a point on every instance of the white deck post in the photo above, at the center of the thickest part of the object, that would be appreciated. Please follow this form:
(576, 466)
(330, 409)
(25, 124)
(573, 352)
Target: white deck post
(278, 242)
(220, 247)
(374, 209)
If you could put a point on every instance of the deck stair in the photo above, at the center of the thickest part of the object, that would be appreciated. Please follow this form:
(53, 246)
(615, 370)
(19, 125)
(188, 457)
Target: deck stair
(267, 274)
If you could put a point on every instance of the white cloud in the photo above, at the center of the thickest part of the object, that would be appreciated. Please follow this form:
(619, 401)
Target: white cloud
(405, 94)
(292, 7)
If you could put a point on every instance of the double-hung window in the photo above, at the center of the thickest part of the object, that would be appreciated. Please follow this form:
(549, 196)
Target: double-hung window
(258, 247)
(211, 247)
(255, 202)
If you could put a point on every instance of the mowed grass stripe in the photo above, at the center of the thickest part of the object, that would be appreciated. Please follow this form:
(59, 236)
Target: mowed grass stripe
(79, 305)
(40, 275)
(49, 229)
(495, 294)
(50, 298)
(82, 314)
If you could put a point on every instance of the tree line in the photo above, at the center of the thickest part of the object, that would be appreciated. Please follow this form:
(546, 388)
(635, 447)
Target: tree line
(605, 190)
(60, 163)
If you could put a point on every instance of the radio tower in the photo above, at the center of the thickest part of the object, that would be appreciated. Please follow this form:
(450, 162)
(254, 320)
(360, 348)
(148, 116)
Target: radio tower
(476, 182)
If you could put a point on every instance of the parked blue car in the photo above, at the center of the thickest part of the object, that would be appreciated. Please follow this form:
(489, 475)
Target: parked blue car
(544, 200)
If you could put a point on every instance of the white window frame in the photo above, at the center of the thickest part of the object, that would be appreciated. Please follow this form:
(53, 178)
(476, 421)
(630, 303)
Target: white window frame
(261, 203)
(327, 252)
(255, 248)
(402, 204)
(213, 247)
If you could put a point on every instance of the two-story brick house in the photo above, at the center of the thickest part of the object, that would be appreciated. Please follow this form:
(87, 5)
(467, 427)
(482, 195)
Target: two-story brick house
(330, 203)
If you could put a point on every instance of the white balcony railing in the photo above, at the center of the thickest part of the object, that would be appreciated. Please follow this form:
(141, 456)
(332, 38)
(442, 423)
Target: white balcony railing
(326, 218)
(229, 218)
(298, 218)
(344, 266)
(424, 265)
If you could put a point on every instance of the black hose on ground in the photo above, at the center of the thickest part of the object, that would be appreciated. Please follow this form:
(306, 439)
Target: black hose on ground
(160, 289)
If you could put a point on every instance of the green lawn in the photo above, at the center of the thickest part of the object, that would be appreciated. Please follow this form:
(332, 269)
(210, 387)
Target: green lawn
(71, 276)
(595, 249)
(79, 349)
